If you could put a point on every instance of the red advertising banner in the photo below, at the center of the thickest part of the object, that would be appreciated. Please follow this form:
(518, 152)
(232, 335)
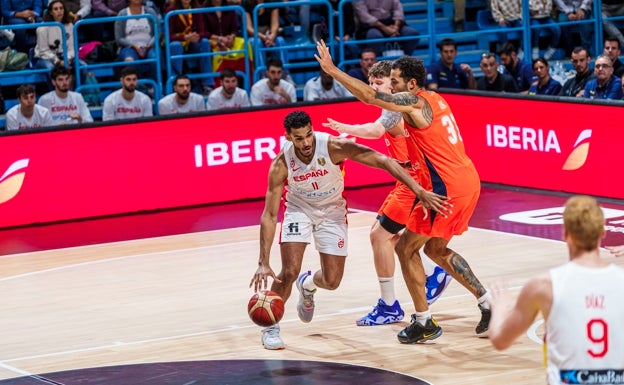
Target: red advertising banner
(548, 145)
(80, 173)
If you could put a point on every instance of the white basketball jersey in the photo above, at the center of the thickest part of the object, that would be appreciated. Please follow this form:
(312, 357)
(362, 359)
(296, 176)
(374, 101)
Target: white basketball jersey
(315, 188)
(168, 105)
(585, 327)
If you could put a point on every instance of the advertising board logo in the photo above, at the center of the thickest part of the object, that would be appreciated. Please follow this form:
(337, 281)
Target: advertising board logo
(538, 140)
(554, 216)
(12, 180)
(579, 153)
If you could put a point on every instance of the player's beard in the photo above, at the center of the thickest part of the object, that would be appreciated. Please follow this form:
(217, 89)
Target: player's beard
(184, 95)
(129, 88)
(229, 93)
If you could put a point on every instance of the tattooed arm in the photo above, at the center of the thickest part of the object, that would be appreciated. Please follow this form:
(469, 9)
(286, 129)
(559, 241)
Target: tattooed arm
(359, 89)
(416, 110)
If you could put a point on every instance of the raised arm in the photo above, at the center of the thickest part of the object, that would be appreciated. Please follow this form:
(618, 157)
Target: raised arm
(388, 121)
(372, 130)
(358, 88)
(341, 149)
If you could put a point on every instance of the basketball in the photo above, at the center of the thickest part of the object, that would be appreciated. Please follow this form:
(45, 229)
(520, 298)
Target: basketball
(265, 308)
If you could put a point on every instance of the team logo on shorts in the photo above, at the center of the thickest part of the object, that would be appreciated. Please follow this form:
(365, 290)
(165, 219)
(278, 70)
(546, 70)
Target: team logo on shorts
(341, 242)
(293, 228)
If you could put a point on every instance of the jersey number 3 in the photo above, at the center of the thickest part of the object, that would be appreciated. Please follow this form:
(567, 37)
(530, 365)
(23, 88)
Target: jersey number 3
(451, 127)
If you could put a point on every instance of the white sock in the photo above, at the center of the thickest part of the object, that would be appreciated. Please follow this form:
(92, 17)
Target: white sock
(423, 316)
(484, 300)
(386, 285)
(308, 283)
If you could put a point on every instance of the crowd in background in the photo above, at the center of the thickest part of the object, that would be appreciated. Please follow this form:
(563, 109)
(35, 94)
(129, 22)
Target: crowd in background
(505, 69)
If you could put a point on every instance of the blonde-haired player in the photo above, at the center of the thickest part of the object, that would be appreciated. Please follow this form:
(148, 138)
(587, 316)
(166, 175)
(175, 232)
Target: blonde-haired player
(580, 301)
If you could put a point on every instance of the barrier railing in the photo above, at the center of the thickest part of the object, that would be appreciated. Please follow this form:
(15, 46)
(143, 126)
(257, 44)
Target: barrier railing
(343, 61)
(169, 58)
(259, 49)
(32, 74)
(79, 67)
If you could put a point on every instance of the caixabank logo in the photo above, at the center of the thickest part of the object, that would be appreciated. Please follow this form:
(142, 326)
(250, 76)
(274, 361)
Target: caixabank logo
(12, 180)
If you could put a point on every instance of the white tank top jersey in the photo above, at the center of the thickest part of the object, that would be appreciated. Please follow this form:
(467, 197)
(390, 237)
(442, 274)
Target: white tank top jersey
(585, 327)
(315, 188)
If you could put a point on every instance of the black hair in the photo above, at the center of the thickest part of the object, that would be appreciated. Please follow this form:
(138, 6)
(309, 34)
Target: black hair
(411, 68)
(180, 77)
(447, 41)
(126, 71)
(48, 15)
(507, 49)
(613, 39)
(274, 62)
(227, 73)
(367, 50)
(59, 70)
(296, 119)
(25, 90)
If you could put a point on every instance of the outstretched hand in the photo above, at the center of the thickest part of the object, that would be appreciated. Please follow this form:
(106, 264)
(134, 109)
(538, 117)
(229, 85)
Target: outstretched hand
(260, 279)
(324, 57)
(334, 125)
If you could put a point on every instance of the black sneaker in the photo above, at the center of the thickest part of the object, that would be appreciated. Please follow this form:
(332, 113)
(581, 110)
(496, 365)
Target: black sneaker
(484, 324)
(415, 332)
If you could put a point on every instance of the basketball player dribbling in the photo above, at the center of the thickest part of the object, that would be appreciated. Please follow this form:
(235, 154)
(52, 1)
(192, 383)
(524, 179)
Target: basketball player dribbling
(395, 210)
(431, 129)
(309, 171)
(580, 302)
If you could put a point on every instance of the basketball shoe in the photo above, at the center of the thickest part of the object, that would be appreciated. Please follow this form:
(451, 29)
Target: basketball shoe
(416, 332)
(382, 314)
(436, 284)
(484, 325)
(271, 339)
(305, 305)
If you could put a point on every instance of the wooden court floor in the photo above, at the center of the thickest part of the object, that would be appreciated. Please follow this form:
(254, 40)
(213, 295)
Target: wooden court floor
(184, 297)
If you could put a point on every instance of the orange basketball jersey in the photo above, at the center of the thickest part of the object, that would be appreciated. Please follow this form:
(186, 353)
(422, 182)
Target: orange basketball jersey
(451, 171)
(447, 168)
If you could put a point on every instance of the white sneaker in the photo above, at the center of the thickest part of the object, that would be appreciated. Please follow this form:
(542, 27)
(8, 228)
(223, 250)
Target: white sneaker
(271, 339)
(305, 305)
(549, 53)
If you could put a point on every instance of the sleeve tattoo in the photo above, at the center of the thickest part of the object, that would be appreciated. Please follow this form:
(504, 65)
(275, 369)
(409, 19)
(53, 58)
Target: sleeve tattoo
(389, 119)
